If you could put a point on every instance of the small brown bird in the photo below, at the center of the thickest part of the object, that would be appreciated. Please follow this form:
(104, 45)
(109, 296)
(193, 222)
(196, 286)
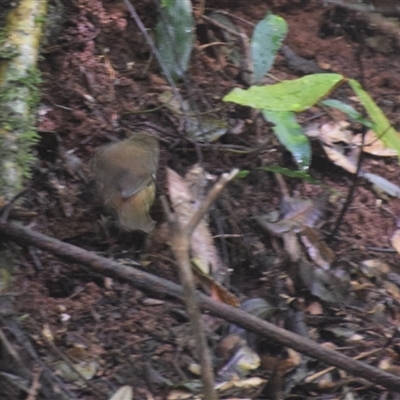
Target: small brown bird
(125, 173)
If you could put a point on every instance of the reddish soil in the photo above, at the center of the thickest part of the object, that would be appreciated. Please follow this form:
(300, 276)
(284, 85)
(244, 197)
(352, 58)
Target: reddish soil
(100, 83)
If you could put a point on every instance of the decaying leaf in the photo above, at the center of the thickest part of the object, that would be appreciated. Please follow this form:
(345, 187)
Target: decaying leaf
(373, 145)
(330, 132)
(123, 393)
(231, 51)
(186, 195)
(374, 268)
(215, 289)
(281, 365)
(295, 215)
(237, 357)
(248, 383)
(235, 361)
(185, 204)
(298, 215)
(395, 240)
(78, 372)
(346, 332)
(316, 248)
(324, 284)
(381, 184)
(199, 127)
(180, 394)
(337, 156)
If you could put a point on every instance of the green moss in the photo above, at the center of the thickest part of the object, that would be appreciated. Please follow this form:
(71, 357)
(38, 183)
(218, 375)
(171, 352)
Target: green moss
(7, 51)
(40, 19)
(17, 130)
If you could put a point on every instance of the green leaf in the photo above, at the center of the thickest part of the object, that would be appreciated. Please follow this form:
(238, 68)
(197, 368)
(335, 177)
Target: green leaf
(243, 173)
(265, 43)
(174, 35)
(348, 110)
(381, 125)
(231, 52)
(290, 134)
(296, 95)
(290, 173)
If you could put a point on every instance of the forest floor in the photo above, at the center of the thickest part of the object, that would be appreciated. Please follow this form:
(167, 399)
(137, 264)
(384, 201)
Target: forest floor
(100, 83)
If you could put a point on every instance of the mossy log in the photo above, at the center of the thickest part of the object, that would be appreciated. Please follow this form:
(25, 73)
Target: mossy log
(19, 93)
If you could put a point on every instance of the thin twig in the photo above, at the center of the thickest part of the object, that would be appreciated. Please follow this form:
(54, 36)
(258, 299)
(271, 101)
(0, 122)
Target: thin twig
(153, 48)
(351, 191)
(325, 371)
(179, 242)
(35, 386)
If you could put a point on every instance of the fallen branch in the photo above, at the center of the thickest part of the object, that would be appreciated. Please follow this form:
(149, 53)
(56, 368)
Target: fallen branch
(159, 286)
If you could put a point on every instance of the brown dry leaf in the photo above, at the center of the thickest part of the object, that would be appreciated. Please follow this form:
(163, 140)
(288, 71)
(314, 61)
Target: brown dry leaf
(324, 284)
(248, 383)
(331, 132)
(373, 145)
(346, 333)
(336, 155)
(178, 394)
(348, 163)
(78, 353)
(123, 393)
(215, 289)
(387, 365)
(277, 364)
(297, 213)
(185, 199)
(186, 196)
(374, 268)
(47, 333)
(294, 357)
(292, 246)
(316, 248)
(315, 308)
(395, 240)
(392, 290)
(75, 372)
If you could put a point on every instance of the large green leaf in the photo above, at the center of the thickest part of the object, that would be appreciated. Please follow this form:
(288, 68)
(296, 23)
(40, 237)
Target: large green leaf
(265, 43)
(296, 95)
(381, 125)
(290, 134)
(174, 35)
